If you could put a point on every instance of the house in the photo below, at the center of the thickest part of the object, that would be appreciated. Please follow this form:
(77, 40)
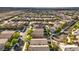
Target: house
(68, 47)
(38, 33)
(38, 48)
(39, 41)
(39, 44)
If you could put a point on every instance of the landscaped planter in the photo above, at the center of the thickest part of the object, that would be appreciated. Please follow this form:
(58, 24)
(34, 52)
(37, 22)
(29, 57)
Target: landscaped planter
(27, 39)
(12, 41)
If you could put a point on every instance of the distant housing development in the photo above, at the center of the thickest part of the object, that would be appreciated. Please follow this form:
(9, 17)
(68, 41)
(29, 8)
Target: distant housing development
(39, 29)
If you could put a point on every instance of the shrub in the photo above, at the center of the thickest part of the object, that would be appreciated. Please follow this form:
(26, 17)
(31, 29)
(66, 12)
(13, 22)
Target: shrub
(27, 45)
(71, 40)
(75, 17)
(30, 30)
(48, 32)
(76, 25)
(8, 45)
(14, 41)
(58, 30)
(54, 47)
(16, 35)
(28, 38)
(65, 41)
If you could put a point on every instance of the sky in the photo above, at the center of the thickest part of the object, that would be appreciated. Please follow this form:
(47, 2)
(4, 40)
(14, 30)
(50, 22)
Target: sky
(39, 3)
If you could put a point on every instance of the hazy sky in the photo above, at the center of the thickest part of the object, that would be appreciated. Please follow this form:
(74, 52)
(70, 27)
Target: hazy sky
(39, 3)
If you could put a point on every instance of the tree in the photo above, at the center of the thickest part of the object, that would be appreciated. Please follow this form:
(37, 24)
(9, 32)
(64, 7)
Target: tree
(28, 38)
(58, 30)
(16, 35)
(29, 31)
(76, 25)
(14, 41)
